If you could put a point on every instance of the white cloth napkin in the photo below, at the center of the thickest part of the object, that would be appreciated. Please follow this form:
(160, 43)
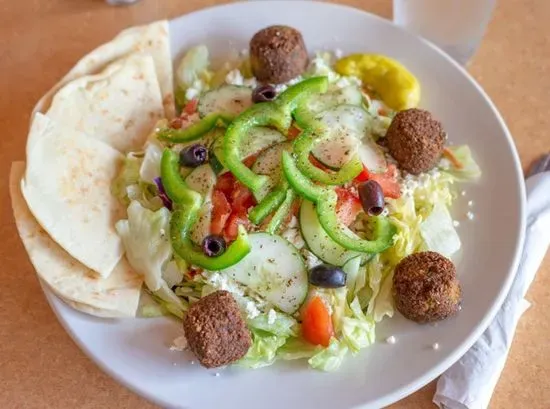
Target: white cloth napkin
(470, 382)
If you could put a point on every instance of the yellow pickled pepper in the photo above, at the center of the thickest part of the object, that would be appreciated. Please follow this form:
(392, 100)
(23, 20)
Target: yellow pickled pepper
(397, 86)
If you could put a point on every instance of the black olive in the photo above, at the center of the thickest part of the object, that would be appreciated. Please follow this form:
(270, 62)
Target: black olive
(213, 245)
(264, 93)
(327, 276)
(193, 156)
(372, 197)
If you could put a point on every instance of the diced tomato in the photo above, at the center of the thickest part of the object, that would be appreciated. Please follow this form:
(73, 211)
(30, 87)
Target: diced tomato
(193, 271)
(225, 184)
(452, 158)
(388, 182)
(317, 323)
(363, 176)
(249, 160)
(293, 132)
(317, 164)
(220, 212)
(232, 227)
(348, 206)
(241, 198)
(191, 107)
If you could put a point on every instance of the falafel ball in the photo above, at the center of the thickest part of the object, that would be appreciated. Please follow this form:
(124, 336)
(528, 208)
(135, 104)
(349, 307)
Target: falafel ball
(425, 287)
(416, 140)
(277, 54)
(216, 331)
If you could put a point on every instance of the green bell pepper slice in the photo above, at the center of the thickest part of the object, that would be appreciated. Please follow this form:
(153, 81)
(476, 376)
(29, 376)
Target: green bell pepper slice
(277, 114)
(302, 148)
(195, 131)
(187, 204)
(268, 205)
(293, 96)
(180, 225)
(174, 185)
(325, 200)
(281, 212)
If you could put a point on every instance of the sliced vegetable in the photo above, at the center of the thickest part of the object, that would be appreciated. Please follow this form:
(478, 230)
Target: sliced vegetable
(274, 270)
(213, 245)
(267, 206)
(276, 114)
(317, 323)
(176, 189)
(282, 212)
(318, 241)
(326, 200)
(229, 100)
(396, 85)
(202, 180)
(220, 212)
(372, 197)
(348, 206)
(194, 131)
(327, 276)
(304, 145)
(193, 155)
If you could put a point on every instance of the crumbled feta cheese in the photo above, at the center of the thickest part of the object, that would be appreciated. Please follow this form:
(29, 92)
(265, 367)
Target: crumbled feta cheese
(271, 316)
(234, 77)
(456, 223)
(162, 232)
(293, 222)
(471, 203)
(192, 362)
(179, 344)
(294, 236)
(217, 374)
(435, 346)
(385, 212)
(250, 82)
(470, 216)
(175, 364)
(252, 310)
(338, 53)
(311, 259)
(223, 282)
(391, 340)
(281, 87)
(463, 193)
(191, 93)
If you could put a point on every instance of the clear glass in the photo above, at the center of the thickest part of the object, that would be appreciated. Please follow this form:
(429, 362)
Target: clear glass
(456, 26)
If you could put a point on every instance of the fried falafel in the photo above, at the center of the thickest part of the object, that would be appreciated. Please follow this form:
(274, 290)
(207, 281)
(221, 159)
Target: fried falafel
(416, 140)
(216, 331)
(278, 54)
(425, 287)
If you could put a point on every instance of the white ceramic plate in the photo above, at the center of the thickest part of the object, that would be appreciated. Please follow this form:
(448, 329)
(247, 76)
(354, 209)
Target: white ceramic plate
(136, 352)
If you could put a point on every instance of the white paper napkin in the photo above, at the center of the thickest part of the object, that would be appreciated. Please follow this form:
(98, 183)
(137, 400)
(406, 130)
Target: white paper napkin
(470, 382)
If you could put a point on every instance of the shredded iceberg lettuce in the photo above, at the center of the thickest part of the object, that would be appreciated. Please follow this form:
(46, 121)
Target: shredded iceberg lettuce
(330, 358)
(469, 169)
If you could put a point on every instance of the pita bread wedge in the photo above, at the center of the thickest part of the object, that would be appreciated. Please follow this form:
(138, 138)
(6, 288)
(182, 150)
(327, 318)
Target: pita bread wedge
(119, 106)
(152, 39)
(81, 288)
(67, 186)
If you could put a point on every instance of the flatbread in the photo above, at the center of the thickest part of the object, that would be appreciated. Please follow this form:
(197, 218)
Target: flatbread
(152, 39)
(67, 186)
(81, 288)
(119, 106)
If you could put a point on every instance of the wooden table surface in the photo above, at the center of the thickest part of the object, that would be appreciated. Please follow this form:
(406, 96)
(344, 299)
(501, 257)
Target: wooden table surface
(40, 40)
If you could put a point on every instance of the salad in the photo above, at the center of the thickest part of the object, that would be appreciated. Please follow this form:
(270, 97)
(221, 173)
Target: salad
(271, 214)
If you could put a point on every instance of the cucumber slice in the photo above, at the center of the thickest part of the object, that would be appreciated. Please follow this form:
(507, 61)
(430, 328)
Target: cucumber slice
(372, 156)
(273, 269)
(228, 99)
(345, 126)
(258, 139)
(269, 163)
(312, 107)
(318, 241)
(202, 179)
(201, 228)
